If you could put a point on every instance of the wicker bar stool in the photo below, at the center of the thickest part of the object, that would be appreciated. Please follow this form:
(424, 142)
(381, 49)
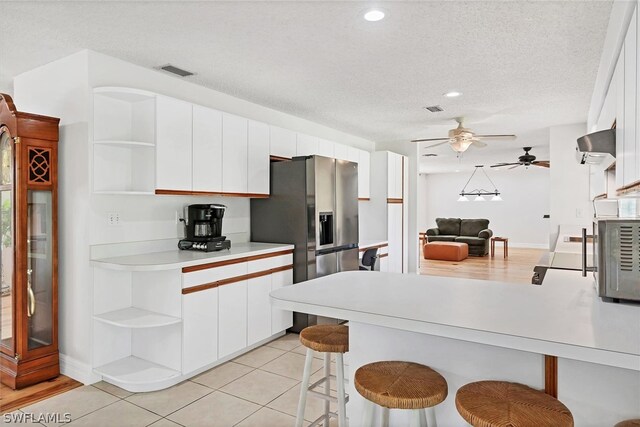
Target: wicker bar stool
(400, 385)
(629, 423)
(501, 403)
(325, 339)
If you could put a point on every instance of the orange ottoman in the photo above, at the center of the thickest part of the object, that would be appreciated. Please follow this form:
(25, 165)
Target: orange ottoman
(446, 251)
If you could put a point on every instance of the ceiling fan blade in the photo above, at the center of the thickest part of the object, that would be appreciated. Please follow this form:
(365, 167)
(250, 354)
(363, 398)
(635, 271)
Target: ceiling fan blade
(438, 144)
(495, 136)
(478, 143)
(430, 139)
(513, 167)
(542, 163)
(499, 165)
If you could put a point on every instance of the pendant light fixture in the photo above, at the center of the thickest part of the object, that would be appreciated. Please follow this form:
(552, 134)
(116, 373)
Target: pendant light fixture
(479, 193)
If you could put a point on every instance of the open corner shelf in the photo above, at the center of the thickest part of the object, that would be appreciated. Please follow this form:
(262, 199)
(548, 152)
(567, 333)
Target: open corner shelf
(136, 318)
(136, 374)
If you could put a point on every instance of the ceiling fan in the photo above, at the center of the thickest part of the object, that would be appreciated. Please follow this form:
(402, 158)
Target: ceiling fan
(525, 160)
(462, 138)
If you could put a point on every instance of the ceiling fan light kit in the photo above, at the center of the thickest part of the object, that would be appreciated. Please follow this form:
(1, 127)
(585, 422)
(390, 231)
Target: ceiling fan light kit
(479, 194)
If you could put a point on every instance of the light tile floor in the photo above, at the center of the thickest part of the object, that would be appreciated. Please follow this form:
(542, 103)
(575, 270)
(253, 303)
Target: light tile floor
(260, 388)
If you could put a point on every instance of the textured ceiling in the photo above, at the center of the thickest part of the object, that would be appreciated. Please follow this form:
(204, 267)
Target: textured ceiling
(522, 66)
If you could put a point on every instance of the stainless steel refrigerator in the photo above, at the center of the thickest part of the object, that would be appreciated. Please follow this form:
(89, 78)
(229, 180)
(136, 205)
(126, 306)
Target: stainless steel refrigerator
(313, 204)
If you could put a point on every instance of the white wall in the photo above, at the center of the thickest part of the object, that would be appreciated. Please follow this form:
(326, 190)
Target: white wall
(519, 216)
(569, 199)
(63, 89)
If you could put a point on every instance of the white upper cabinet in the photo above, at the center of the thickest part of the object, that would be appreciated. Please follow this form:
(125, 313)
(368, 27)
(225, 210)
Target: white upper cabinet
(258, 161)
(173, 144)
(394, 183)
(325, 148)
(618, 80)
(207, 149)
(340, 151)
(353, 154)
(364, 180)
(234, 154)
(283, 142)
(306, 145)
(629, 174)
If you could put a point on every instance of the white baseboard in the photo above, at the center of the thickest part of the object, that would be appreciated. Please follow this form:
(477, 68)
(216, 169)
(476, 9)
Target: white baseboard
(527, 245)
(77, 370)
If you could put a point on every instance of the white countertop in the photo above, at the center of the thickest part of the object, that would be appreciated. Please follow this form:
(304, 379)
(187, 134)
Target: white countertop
(175, 259)
(369, 243)
(563, 317)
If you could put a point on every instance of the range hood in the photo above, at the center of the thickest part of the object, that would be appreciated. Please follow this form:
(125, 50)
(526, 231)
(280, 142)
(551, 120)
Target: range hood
(597, 148)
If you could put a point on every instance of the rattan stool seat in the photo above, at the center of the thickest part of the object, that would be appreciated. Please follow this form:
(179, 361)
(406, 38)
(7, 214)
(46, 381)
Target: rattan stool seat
(326, 338)
(501, 403)
(400, 385)
(629, 423)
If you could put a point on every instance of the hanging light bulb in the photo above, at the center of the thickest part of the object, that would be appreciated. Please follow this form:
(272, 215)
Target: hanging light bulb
(463, 198)
(479, 199)
(496, 198)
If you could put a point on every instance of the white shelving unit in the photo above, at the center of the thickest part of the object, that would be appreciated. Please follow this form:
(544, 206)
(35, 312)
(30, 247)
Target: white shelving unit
(124, 122)
(133, 317)
(137, 374)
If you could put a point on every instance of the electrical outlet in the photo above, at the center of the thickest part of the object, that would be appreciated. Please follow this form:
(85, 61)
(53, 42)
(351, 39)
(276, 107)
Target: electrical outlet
(113, 218)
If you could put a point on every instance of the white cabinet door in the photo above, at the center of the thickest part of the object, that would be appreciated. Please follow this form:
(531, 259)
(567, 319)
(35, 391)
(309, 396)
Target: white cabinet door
(618, 79)
(326, 148)
(232, 318)
(394, 218)
(306, 145)
(637, 17)
(384, 264)
(394, 184)
(234, 154)
(173, 144)
(258, 162)
(630, 102)
(364, 180)
(207, 149)
(353, 154)
(283, 142)
(199, 329)
(340, 151)
(281, 319)
(259, 309)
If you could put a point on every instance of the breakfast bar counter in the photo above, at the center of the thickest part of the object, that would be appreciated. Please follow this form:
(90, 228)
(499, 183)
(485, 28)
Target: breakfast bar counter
(470, 330)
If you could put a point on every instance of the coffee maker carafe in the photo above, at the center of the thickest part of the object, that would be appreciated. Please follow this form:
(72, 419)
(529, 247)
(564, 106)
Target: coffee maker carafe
(203, 226)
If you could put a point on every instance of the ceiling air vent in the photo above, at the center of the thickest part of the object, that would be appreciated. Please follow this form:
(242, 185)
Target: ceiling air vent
(175, 70)
(434, 109)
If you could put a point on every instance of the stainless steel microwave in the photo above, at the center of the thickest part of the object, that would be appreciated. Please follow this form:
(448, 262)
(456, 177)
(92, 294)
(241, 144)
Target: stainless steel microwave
(616, 256)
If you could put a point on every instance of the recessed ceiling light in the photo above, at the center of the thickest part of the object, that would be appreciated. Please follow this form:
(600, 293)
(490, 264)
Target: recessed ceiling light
(452, 94)
(374, 15)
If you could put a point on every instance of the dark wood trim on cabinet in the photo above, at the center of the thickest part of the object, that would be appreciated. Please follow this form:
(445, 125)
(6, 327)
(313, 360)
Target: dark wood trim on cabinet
(364, 199)
(279, 159)
(235, 279)
(630, 188)
(551, 375)
(235, 261)
(165, 192)
(392, 200)
(384, 245)
(383, 255)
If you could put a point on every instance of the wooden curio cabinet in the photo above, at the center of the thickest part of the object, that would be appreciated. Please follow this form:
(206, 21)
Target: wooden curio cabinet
(29, 246)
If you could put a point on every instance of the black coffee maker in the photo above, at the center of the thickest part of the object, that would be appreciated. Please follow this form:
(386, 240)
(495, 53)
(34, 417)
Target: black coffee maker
(203, 227)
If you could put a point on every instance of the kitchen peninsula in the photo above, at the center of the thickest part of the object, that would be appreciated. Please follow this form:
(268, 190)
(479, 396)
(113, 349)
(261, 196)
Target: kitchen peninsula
(470, 330)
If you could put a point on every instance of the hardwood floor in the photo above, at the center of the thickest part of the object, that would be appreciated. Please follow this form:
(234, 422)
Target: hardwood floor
(10, 400)
(518, 268)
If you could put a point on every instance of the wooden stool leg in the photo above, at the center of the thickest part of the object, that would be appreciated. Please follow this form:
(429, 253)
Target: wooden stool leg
(367, 413)
(385, 417)
(342, 406)
(431, 417)
(327, 387)
(415, 418)
(304, 387)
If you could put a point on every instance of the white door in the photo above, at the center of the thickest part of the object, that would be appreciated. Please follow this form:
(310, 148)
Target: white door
(199, 329)
(283, 142)
(364, 163)
(207, 149)
(173, 144)
(306, 145)
(259, 309)
(232, 318)
(394, 218)
(258, 162)
(281, 319)
(234, 154)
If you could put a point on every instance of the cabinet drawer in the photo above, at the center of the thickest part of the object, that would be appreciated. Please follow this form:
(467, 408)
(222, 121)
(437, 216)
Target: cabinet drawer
(214, 274)
(271, 262)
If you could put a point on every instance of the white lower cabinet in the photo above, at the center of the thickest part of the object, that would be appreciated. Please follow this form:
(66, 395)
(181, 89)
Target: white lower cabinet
(394, 218)
(281, 319)
(200, 329)
(232, 318)
(259, 309)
